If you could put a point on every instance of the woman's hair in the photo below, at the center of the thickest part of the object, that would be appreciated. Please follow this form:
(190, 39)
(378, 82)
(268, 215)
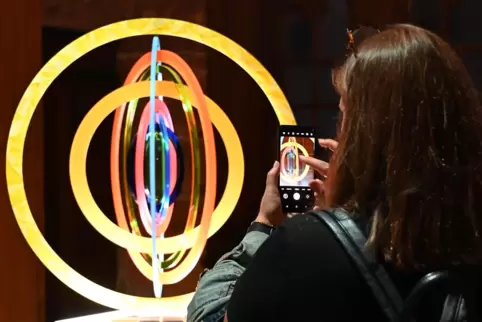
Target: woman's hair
(410, 149)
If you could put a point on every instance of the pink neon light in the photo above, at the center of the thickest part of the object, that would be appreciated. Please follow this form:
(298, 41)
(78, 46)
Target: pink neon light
(162, 109)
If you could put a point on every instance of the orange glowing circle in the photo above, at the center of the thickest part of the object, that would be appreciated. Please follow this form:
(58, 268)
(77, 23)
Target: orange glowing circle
(177, 274)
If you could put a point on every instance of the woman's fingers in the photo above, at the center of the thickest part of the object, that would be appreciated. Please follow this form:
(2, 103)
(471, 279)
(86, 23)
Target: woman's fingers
(272, 176)
(318, 165)
(328, 143)
(318, 188)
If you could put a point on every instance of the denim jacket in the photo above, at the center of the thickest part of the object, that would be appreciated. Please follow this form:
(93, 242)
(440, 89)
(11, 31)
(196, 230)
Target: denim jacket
(216, 285)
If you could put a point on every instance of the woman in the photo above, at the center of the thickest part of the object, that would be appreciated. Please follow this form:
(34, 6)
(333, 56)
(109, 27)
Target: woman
(407, 168)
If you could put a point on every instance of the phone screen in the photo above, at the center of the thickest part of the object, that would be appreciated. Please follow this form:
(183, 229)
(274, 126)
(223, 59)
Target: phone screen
(295, 176)
(295, 141)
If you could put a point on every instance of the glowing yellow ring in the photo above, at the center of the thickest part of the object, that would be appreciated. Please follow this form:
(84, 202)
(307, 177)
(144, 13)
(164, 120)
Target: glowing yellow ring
(33, 95)
(124, 238)
(307, 168)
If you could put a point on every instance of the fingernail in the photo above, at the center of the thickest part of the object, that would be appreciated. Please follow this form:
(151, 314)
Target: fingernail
(275, 164)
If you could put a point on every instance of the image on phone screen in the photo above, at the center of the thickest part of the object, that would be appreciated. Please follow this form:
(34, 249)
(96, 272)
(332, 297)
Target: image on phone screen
(293, 173)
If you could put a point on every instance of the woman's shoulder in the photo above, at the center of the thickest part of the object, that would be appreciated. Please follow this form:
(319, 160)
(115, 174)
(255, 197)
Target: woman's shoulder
(303, 228)
(301, 221)
(306, 227)
(310, 224)
(307, 238)
(303, 257)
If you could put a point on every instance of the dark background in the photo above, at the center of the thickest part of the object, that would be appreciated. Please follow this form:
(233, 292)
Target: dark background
(295, 40)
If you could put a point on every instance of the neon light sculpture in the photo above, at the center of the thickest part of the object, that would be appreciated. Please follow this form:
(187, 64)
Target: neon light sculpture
(155, 209)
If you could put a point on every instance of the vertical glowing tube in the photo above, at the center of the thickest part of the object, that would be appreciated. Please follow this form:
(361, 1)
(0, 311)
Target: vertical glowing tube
(152, 166)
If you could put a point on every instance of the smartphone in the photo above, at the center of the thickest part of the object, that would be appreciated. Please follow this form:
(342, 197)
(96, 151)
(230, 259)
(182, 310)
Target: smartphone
(295, 141)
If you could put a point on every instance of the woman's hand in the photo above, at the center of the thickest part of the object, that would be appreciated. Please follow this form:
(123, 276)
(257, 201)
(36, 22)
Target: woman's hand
(321, 167)
(270, 210)
(318, 186)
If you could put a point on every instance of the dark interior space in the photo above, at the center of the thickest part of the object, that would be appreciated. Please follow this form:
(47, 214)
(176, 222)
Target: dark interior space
(297, 41)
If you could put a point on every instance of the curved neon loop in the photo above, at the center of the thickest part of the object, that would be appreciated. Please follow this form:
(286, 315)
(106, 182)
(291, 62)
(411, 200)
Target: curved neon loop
(193, 85)
(129, 199)
(178, 63)
(135, 74)
(137, 71)
(160, 227)
(85, 200)
(162, 223)
(190, 223)
(177, 171)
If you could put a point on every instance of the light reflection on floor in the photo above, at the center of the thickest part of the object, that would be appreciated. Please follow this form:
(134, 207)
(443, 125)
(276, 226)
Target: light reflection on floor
(120, 316)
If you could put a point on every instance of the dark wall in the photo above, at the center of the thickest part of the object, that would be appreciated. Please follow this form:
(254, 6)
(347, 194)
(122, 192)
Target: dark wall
(458, 22)
(21, 273)
(248, 110)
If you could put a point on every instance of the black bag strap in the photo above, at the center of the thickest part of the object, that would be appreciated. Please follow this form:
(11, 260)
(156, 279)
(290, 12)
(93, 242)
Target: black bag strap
(454, 305)
(353, 240)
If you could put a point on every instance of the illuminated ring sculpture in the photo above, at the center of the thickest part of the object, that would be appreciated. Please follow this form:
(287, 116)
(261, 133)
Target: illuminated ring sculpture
(184, 269)
(120, 235)
(297, 178)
